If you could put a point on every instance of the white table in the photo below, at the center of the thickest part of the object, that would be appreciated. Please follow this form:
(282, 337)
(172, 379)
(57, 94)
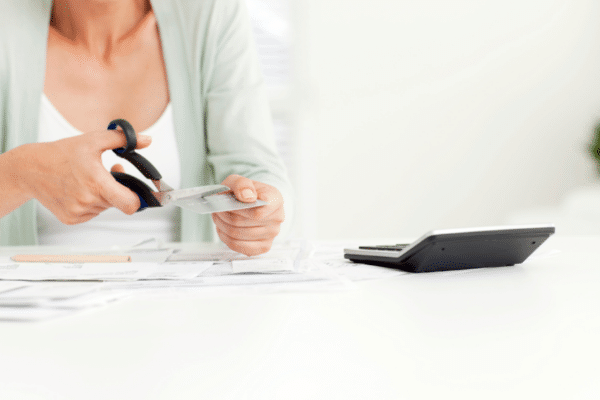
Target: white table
(529, 331)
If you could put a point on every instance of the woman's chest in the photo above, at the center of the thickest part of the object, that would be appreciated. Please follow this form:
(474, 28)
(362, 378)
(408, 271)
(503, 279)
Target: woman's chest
(89, 92)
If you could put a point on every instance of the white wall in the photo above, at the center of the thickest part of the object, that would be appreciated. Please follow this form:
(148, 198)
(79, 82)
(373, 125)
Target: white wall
(418, 115)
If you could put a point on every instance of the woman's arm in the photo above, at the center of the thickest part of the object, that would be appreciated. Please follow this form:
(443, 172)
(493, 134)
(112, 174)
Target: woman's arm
(67, 177)
(239, 133)
(13, 191)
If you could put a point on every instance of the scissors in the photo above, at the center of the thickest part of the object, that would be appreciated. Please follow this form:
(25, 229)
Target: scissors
(193, 198)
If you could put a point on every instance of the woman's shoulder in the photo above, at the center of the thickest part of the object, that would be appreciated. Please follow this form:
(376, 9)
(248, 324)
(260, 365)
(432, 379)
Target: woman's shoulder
(209, 4)
(20, 16)
(203, 10)
(23, 30)
(202, 19)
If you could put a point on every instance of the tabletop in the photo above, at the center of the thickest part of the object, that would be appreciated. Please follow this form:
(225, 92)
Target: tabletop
(527, 331)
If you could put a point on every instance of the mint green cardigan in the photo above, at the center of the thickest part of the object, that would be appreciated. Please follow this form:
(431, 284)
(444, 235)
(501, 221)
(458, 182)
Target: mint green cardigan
(220, 107)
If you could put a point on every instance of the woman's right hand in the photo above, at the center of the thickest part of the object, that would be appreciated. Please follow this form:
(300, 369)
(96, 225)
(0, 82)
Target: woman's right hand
(68, 178)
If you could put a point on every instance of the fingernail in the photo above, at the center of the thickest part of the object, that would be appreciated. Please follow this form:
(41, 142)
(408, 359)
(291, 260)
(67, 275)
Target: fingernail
(247, 194)
(145, 137)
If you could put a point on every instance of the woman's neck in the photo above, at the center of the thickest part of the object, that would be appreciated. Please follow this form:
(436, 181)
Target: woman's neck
(100, 26)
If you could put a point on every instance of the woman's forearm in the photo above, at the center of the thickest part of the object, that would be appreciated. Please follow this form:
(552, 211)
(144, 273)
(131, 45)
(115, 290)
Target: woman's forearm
(13, 191)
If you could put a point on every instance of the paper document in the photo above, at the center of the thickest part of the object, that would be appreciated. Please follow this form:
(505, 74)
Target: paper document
(101, 272)
(30, 314)
(278, 259)
(330, 257)
(51, 291)
(262, 265)
(8, 286)
(38, 291)
(40, 294)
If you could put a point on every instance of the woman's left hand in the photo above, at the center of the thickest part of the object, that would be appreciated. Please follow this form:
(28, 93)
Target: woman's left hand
(250, 231)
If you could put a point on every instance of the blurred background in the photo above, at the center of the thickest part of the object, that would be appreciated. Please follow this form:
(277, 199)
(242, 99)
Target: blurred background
(396, 117)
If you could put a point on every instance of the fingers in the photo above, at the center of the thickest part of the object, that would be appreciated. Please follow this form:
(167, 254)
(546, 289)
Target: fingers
(69, 179)
(251, 231)
(252, 217)
(249, 240)
(270, 213)
(246, 247)
(115, 139)
(117, 168)
(263, 231)
(71, 213)
(143, 141)
(113, 192)
(243, 188)
(119, 196)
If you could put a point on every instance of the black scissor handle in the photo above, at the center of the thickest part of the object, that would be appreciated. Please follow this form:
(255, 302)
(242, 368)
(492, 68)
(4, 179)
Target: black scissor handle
(128, 152)
(146, 195)
(129, 135)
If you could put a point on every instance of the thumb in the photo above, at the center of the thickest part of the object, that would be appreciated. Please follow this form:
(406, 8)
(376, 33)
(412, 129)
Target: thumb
(119, 196)
(243, 188)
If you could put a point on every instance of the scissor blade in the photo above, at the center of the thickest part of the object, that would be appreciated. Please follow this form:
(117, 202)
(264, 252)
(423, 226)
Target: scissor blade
(201, 191)
(215, 203)
(162, 186)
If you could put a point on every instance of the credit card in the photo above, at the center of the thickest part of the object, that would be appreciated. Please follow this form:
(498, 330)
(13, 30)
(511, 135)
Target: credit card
(215, 203)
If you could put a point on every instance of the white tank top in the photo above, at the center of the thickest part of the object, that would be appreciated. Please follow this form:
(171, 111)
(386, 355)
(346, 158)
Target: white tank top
(113, 227)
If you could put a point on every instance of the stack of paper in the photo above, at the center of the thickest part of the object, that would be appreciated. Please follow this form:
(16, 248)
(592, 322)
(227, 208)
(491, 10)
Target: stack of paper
(32, 301)
(36, 291)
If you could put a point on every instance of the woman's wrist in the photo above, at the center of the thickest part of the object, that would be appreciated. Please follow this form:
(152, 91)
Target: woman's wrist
(13, 181)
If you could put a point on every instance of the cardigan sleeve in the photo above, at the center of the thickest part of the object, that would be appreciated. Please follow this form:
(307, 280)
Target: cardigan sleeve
(238, 123)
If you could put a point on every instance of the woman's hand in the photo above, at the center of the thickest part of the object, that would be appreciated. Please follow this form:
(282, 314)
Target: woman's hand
(250, 231)
(68, 178)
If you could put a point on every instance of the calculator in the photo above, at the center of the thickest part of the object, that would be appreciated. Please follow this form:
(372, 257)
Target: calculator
(454, 249)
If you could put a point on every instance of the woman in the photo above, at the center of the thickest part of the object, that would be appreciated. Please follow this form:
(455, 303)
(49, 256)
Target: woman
(187, 67)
